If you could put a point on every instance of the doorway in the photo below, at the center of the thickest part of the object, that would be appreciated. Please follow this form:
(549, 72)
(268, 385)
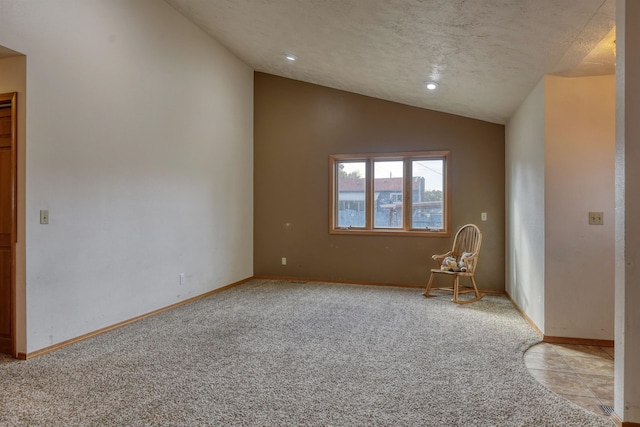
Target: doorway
(8, 229)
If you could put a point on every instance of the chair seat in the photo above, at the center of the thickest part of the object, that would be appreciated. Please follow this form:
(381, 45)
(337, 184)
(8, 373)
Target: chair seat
(453, 273)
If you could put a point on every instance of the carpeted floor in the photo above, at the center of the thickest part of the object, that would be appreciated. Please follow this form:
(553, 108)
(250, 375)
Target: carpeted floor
(272, 353)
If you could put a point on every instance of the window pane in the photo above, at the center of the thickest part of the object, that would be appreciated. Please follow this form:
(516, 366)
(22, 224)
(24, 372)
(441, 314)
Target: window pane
(426, 194)
(351, 198)
(387, 192)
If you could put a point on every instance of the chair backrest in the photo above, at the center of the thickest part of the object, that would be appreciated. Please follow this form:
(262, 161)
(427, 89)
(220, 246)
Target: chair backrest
(468, 239)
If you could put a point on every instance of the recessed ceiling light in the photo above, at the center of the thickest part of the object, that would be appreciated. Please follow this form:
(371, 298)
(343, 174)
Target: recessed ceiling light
(431, 85)
(290, 57)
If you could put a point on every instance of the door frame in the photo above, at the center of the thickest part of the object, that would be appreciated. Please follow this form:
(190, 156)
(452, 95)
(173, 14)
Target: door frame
(11, 98)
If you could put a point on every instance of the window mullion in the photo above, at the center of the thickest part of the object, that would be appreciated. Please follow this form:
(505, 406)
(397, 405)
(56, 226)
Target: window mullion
(369, 194)
(406, 200)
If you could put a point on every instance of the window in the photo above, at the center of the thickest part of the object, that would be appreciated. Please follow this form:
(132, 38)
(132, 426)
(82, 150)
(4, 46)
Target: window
(400, 193)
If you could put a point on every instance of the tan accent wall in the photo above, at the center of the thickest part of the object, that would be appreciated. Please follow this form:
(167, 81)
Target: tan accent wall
(298, 125)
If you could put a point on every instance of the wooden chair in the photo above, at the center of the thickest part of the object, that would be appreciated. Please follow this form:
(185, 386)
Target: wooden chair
(464, 255)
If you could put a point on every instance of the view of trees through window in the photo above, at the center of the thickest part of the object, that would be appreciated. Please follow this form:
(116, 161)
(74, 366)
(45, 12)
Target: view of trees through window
(427, 206)
(351, 194)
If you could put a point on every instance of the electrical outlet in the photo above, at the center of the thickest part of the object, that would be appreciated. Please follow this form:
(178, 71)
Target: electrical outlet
(44, 216)
(284, 260)
(596, 218)
(183, 279)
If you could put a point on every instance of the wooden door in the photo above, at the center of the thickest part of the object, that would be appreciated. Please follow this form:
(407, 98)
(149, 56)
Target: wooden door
(7, 220)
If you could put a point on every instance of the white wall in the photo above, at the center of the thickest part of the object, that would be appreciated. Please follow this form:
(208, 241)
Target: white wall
(627, 235)
(525, 206)
(140, 144)
(579, 178)
(560, 165)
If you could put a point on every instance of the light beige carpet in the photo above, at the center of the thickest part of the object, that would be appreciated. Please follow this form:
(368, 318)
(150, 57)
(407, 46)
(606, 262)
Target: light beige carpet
(272, 353)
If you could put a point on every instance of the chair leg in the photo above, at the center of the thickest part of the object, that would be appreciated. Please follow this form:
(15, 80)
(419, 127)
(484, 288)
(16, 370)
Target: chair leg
(475, 288)
(426, 292)
(478, 297)
(455, 289)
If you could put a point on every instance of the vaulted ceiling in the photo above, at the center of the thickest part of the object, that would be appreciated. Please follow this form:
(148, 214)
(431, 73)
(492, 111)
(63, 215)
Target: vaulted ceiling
(484, 55)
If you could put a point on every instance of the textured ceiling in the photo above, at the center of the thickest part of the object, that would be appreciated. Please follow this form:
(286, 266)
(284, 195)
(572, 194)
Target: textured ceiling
(486, 55)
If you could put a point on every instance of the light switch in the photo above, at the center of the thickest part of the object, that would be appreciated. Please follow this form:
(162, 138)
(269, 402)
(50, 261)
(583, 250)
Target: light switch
(44, 217)
(483, 216)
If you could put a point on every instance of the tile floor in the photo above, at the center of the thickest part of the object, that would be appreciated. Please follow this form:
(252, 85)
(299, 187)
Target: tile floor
(582, 374)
